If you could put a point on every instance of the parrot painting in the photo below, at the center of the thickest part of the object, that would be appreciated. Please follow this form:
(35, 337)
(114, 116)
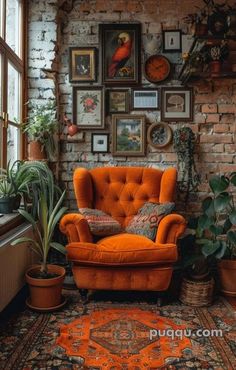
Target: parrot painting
(121, 54)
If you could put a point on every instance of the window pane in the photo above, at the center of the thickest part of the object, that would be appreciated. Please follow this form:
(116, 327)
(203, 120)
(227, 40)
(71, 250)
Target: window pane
(13, 95)
(13, 33)
(1, 18)
(13, 140)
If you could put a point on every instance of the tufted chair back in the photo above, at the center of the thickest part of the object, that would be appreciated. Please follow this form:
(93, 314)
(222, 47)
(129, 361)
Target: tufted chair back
(121, 191)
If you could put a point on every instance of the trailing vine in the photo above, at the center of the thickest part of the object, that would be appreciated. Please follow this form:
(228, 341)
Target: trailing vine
(184, 145)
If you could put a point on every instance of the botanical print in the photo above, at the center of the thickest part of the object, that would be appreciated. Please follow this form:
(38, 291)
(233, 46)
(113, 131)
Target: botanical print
(82, 65)
(119, 54)
(89, 102)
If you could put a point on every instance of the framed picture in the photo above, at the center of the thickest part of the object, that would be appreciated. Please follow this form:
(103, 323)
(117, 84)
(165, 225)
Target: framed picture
(145, 99)
(128, 135)
(120, 53)
(176, 104)
(159, 135)
(118, 101)
(99, 143)
(172, 41)
(82, 64)
(88, 107)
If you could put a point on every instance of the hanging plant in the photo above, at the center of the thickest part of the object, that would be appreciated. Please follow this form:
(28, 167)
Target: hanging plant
(184, 144)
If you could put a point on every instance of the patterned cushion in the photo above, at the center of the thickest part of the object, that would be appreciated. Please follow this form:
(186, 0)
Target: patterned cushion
(147, 219)
(100, 223)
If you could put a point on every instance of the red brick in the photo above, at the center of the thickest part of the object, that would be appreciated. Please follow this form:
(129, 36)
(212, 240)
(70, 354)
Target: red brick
(221, 127)
(169, 157)
(227, 118)
(200, 118)
(85, 6)
(209, 108)
(102, 5)
(216, 138)
(227, 167)
(218, 148)
(134, 7)
(119, 5)
(227, 108)
(230, 148)
(218, 158)
(213, 118)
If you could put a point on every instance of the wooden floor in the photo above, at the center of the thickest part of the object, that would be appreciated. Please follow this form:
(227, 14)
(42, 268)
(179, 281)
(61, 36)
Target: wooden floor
(232, 301)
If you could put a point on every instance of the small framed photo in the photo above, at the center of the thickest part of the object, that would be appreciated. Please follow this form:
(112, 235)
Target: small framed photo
(128, 135)
(118, 101)
(88, 107)
(145, 99)
(82, 64)
(172, 41)
(99, 143)
(176, 104)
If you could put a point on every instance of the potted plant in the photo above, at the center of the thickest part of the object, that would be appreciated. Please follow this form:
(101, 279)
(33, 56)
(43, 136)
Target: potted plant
(40, 127)
(45, 280)
(217, 232)
(217, 53)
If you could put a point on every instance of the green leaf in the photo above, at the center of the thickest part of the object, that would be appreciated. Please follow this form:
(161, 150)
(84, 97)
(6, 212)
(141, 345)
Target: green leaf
(59, 247)
(28, 217)
(206, 203)
(227, 225)
(216, 229)
(23, 240)
(204, 222)
(218, 183)
(233, 178)
(232, 236)
(221, 252)
(211, 247)
(232, 217)
(222, 201)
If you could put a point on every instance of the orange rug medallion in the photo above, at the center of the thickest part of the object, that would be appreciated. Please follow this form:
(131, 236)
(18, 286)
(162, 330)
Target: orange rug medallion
(115, 339)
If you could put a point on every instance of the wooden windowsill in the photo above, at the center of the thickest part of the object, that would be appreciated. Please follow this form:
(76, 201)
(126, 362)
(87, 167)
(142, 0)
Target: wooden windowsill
(10, 221)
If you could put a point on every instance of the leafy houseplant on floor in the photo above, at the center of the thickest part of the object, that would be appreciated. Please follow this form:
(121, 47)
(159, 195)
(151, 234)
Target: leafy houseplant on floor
(40, 127)
(45, 280)
(217, 231)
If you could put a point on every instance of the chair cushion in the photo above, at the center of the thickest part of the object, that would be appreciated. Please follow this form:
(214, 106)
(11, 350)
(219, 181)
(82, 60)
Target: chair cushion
(122, 249)
(147, 219)
(100, 223)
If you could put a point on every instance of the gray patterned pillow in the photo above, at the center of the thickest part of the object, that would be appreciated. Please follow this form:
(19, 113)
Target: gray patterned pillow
(100, 223)
(147, 219)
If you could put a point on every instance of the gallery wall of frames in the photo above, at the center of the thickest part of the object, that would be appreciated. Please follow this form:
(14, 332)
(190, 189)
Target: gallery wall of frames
(120, 93)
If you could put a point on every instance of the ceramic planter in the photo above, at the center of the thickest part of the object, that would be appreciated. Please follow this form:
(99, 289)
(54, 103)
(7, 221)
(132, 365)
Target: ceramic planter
(45, 294)
(227, 273)
(215, 68)
(36, 152)
(9, 204)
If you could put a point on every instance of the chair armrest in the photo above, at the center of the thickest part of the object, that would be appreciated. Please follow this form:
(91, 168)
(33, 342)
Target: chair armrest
(76, 228)
(170, 228)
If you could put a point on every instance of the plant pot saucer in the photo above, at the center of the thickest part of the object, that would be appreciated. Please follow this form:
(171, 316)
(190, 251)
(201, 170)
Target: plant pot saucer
(47, 309)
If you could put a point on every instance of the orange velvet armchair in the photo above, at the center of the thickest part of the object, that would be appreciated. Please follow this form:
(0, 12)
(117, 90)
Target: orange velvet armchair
(123, 261)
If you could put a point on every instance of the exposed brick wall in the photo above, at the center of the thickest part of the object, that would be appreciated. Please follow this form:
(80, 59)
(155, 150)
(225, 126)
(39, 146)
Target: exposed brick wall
(215, 102)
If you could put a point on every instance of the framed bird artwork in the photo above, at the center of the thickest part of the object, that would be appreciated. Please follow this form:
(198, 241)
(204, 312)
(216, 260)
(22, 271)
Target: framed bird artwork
(120, 53)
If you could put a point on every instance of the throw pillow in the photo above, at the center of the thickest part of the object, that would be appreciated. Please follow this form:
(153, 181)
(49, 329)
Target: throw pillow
(100, 223)
(147, 219)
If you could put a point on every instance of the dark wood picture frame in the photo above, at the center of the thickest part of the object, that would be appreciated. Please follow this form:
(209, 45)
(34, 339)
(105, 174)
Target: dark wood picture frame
(172, 41)
(112, 106)
(93, 143)
(82, 64)
(124, 71)
(130, 139)
(177, 104)
(88, 108)
(145, 103)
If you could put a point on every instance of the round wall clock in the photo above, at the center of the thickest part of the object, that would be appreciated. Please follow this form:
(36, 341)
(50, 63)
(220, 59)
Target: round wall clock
(159, 135)
(157, 68)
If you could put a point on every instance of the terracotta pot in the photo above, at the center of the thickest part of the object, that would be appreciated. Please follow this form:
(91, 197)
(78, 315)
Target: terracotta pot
(215, 68)
(45, 293)
(36, 152)
(227, 273)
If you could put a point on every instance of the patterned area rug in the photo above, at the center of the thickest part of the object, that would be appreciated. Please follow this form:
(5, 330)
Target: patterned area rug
(120, 336)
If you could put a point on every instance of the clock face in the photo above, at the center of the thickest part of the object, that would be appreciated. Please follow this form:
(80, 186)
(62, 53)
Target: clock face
(157, 68)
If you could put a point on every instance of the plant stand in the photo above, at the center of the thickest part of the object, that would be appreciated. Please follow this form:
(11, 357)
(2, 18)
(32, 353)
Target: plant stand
(197, 293)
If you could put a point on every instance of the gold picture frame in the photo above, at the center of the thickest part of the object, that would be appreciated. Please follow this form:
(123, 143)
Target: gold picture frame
(82, 66)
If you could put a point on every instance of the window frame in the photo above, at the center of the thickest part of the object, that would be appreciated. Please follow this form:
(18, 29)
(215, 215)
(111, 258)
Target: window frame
(20, 64)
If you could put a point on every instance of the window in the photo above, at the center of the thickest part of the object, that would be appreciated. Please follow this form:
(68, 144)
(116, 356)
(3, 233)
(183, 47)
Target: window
(12, 77)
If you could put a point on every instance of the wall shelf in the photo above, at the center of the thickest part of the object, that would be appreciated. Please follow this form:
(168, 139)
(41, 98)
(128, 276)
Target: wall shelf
(189, 71)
